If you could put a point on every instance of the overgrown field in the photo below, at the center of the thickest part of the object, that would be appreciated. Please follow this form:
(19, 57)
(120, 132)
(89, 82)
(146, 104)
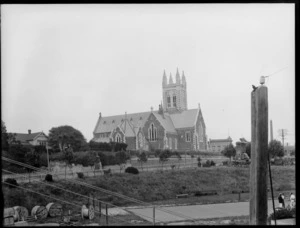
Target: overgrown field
(148, 186)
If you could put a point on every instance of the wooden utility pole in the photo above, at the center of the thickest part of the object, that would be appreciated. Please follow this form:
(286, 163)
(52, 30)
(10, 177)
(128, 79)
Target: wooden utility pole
(271, 129)
(259, 156)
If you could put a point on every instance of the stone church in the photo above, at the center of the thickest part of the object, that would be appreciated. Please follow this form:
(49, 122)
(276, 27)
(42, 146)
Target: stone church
(173, 126)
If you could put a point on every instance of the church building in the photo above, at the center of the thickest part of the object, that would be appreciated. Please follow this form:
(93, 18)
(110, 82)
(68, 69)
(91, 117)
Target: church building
(173, 126)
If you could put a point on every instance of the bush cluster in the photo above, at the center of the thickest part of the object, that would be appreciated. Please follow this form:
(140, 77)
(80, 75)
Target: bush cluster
(284, 213)
(80, 175)
(209, 163)
(132, 170)
(49, 178)
(104, 146)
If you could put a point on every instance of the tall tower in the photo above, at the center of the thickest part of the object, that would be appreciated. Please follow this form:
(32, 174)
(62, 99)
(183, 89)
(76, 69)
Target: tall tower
(174, 94)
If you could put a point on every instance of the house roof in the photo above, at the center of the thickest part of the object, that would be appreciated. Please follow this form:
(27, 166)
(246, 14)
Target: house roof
(184, 119)
(221, 140)
(26, 137)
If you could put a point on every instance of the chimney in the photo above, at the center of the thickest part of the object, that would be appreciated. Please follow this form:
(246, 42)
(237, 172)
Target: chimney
(100, 114)
(29, 131)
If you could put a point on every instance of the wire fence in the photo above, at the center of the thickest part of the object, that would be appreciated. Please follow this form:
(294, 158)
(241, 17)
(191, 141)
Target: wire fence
(70, 174)
(155, 208)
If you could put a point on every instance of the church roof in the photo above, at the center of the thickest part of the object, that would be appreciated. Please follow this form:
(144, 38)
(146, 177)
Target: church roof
(170, 122)
(127, 128)
(109, 123)
(165, 122)
(184, 119)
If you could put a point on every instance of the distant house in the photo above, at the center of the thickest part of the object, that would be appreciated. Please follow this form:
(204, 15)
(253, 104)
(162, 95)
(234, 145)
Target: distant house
(288, 149)
(241, 147)
(217, 145)
(34, 139)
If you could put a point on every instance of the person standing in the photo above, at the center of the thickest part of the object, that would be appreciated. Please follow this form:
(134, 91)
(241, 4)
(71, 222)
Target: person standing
(292, 200)
(280, 200)
(283, 204)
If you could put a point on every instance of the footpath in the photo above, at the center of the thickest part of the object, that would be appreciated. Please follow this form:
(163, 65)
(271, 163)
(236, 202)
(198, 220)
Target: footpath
(195, 212)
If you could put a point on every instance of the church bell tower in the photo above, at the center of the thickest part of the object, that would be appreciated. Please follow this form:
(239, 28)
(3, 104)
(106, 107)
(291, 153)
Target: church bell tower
(174, 94)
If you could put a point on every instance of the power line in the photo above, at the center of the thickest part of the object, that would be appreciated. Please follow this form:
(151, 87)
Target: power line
(54, 186)
(104, 190)
(59, 200)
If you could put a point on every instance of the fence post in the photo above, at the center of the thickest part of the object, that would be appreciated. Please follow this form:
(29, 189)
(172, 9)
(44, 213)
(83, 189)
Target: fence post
(99, 209)
(106, 211)
(259, 155)
(153, 215)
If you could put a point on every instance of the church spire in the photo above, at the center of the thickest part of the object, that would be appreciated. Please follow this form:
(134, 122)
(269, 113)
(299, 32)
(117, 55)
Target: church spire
(177, 77)
(183, 78)
(170, 79)
(165, 79)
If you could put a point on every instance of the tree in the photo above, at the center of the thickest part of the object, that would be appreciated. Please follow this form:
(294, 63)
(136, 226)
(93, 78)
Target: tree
(248, 149)
(178, 157)
(229, 151)
(142, 158)
(199, 161)
(121, 158)
(60, 137)
(4, 136)
(164, 157)
(68, 157)
(275, 149)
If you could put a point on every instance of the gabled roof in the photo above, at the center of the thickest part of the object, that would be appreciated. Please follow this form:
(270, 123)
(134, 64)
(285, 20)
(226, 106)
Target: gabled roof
(170, 122)
(107, 124)
(27, 137)
(166, 122)
(127, 128)
(184, 119)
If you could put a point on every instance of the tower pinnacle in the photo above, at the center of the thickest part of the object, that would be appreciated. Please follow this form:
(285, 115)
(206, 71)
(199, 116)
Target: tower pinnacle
(170, 79)
(177, 77)
(165, 79)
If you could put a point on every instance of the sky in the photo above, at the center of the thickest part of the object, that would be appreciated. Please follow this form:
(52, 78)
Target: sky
(64, 64)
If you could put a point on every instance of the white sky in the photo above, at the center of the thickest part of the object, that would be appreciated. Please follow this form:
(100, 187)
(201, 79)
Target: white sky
(63, 64)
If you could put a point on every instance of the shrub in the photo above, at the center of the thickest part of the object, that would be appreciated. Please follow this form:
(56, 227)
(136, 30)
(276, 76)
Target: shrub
(48, 178)
(108, 171)
(132, 170)
(225, 162)
(12, 183)
(208, 163)
(284, 213)
(80, 175)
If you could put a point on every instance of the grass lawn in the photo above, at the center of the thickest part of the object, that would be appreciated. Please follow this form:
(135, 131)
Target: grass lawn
(159, 187)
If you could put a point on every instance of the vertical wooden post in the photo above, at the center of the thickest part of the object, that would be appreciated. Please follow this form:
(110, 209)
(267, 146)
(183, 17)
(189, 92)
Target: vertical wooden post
(106, 217)
(153, 216)
(99, 209)
(259, 156)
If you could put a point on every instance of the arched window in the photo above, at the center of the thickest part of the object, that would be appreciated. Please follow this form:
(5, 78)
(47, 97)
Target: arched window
(188, 136)
(174, 101)
(170, 143)
(169, 101)
(152, 133)
(141, 142)
(118, 138)
(175, 144)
